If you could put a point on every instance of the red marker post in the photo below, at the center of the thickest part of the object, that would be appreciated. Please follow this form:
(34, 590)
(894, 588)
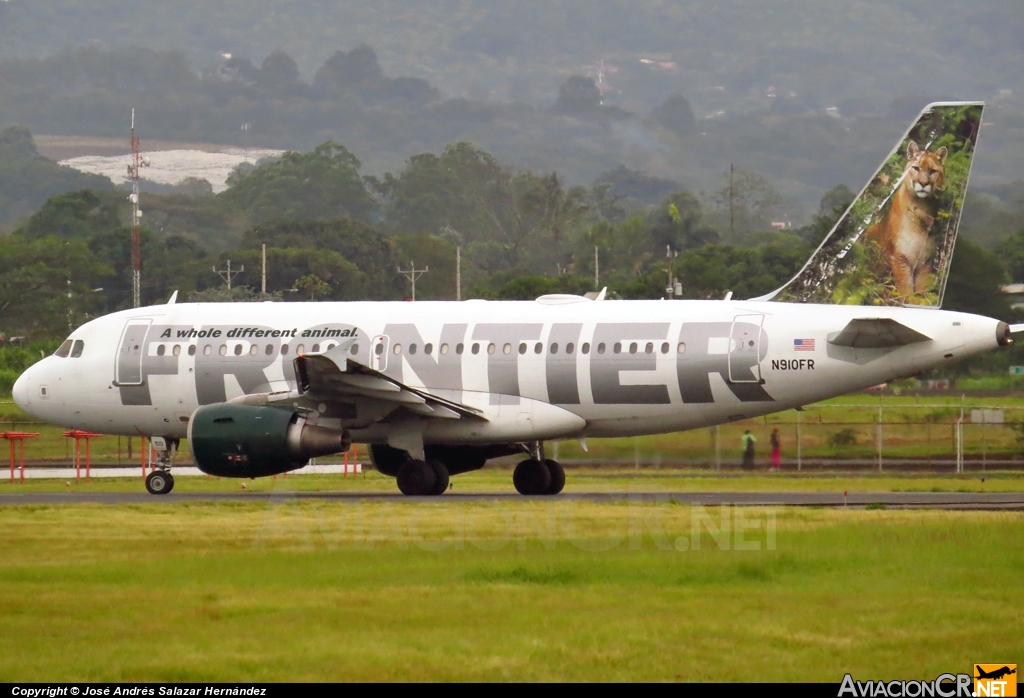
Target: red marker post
(79, 436)
(17, 437)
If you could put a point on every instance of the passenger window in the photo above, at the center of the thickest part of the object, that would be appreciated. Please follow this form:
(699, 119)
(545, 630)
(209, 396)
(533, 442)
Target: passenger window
(664, 347)
(238, 350)
(428, 349)
(191, 349)
(507, 349)
(355, 349)
(284, 350)
(650, 348)
(476, 348)
(315, 349)
(412, 348)
(569, 347)
(600, 348)
(444, 349)
(397, 349)
(617, 348)
(538, 348)
(632, 348)
(585, 348)
(223, 349)
(76, 349)
(301, 349)
(379, 349)
(522, 347)
(253, 350)
(681, 349)
(459, 348)
(269, 350)
(206, 350)
(490, 348)
(176, 350)
(160, 349)
(554, 347)
(64, 349)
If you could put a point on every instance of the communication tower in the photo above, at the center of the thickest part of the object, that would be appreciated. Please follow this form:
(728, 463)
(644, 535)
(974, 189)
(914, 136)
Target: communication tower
(133, 172)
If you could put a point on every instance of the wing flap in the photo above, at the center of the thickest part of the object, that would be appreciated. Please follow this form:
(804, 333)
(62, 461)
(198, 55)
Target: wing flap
(325, 376)
(877, 333)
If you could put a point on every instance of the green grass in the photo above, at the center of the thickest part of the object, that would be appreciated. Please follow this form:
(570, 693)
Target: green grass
(511, 590)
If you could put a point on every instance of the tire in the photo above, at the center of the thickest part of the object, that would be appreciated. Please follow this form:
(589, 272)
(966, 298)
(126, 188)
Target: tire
(159, 482)
(557, 477)
(531, 477)
(416, 478)
(440, 477)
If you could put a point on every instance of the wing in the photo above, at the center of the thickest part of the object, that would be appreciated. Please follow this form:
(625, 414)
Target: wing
(326, 377)
(877, 333)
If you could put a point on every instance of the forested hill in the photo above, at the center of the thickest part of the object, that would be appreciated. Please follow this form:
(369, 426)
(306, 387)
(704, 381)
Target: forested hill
(808, 94)
(864, 52)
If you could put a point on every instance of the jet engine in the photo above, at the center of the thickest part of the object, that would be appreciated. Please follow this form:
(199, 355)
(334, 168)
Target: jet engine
(231, 440)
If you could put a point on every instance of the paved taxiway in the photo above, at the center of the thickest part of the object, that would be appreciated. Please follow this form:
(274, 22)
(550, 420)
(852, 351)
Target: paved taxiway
(910, 500)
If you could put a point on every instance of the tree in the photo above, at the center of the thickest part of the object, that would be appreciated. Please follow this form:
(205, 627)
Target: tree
(372, 275)
(675, 114)
(678, 224)
(79, 214)
(304, 186)
(313, 285)
(358, 67)
(504, 218)
(36, 278)
(278, 70)
(578, 96)
(975, 280)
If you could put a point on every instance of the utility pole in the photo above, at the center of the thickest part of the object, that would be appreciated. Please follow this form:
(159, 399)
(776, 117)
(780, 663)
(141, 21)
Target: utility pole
(458, 273)
(228, 274)
(412, 274)
(263, 283)
(597, 269)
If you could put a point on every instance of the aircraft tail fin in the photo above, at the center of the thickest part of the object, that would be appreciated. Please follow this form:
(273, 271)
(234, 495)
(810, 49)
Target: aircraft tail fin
(894, 244)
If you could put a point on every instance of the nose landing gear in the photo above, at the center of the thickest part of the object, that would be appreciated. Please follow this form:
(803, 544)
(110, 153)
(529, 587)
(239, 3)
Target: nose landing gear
(160, 481)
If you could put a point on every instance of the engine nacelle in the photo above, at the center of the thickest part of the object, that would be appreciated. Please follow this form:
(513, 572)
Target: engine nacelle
(231, 440)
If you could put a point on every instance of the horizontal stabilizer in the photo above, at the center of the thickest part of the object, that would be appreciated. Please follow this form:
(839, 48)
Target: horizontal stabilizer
(877, 333)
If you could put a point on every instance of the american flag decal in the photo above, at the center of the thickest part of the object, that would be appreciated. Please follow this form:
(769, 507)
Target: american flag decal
(803, 345)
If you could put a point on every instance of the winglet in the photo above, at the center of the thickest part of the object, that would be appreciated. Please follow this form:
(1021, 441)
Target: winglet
(173, 299)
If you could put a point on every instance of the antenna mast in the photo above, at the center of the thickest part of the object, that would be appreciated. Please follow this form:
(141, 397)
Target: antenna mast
(133, 171)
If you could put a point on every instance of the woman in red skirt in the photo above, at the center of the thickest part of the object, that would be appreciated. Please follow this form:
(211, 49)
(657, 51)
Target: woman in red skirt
(776, 450)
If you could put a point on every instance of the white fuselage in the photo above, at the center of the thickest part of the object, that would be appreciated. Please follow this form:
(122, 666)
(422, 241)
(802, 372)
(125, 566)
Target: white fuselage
(634, 367)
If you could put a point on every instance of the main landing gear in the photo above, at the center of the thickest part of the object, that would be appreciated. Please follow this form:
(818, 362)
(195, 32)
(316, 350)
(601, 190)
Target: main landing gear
(160, 481)
(538, 475)
(418, 478)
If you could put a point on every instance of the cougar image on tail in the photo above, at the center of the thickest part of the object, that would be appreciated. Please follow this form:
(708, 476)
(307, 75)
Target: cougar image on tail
(903, 233)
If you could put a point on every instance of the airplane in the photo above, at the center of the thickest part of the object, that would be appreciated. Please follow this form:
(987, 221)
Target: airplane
(995, 674)
(437, 389)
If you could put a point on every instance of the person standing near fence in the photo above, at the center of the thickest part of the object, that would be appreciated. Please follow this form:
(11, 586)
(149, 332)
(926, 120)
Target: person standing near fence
(748, 441)
(776, 441)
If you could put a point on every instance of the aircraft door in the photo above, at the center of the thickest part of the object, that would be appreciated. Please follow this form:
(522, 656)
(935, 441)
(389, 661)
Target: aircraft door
(129, 353)
(379, 354)
(745, 348)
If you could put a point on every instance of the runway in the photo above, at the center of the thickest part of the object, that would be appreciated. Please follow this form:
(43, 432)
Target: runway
(897, 500)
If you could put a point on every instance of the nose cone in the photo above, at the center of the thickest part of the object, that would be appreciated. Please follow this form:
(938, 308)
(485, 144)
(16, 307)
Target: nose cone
(21, 390)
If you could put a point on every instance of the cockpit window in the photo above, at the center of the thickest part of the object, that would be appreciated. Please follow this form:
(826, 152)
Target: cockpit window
(76, 349)
(64, 349)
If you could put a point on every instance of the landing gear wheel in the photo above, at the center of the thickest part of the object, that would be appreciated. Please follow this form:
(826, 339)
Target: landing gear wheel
(416, 478)
(159, 482)
(557, 476)
(440, 477)
(531, 477)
